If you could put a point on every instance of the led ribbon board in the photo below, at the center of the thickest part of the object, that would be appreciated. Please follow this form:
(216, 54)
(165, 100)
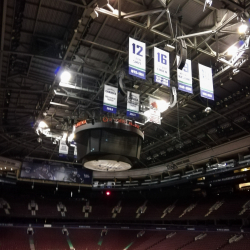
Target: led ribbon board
(184, 77)
(161, 67)
(206, 82)
(137, 58)
(133, 104)
(110, 99)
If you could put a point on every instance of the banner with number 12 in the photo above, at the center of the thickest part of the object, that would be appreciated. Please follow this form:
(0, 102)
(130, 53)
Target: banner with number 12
(137, 58)
(161, 67)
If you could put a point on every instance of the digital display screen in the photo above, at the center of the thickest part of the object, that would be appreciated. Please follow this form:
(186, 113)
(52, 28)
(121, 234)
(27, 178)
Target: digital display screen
(56, 171)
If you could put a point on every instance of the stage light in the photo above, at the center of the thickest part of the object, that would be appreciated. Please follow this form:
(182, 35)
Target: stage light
(207, 110)
(94, 14)
(242, 29)
(232, 50)
(163, 105)
(65, 76)
(42, 124)
(108, 193)
(71, 137)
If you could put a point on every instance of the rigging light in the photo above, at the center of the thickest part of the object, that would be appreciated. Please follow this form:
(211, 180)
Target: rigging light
(42, 124)
(163, 105)
(108, 193)
(65, 76)
(71, 137)
(243, 28)
(232, 50)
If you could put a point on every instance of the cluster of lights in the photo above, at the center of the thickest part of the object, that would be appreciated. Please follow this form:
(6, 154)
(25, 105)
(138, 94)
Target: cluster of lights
(44, 129)
(231, 51)
(65, 76)
(242, 28)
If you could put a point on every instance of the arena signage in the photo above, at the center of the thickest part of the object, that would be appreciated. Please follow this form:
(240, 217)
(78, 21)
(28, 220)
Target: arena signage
(206, 82)
(161, 67)
(110, 99)
(185, 77)
(133, 102)
(107, 119)
(137, 58)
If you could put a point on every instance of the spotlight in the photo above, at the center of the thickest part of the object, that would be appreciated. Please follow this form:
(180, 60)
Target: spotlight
(65, 76)
(94, 14)
(42, 124)
(232, 50)
(243, 28)
(208, 110)
(108, 193)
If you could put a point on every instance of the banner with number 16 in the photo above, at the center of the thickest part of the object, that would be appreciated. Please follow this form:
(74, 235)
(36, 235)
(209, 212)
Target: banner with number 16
(161, 67)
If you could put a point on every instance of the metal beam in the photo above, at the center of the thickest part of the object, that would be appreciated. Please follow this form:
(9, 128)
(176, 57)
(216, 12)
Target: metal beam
(104, 46)
(193, 127)
(142, 13)
(4, 10)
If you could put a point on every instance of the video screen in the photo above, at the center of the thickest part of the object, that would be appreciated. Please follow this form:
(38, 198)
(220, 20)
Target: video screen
(55, 171)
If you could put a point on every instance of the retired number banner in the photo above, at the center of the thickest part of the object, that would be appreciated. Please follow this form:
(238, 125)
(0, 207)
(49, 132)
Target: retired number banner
(133, 101)
(206, 82)
(110, 99)
(161, 67)
(185, 77)
(137, 58)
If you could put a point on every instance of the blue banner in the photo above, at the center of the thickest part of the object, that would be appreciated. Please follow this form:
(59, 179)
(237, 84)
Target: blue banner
(185, 87)
(162, 80)
(110, 109)
(132, 114)
(137, 72)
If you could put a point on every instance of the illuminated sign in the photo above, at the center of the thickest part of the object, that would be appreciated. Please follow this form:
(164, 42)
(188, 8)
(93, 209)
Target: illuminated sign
(107, 119)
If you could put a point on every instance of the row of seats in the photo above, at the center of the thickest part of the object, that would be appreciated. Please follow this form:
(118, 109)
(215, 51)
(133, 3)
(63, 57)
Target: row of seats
(91, 239)
(203, 208)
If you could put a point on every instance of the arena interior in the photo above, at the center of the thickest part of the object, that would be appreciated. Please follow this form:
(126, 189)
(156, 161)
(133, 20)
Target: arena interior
(125, 125)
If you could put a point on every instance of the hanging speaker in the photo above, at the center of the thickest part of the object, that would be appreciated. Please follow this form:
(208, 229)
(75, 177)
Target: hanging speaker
(121, 86)
(182, 53)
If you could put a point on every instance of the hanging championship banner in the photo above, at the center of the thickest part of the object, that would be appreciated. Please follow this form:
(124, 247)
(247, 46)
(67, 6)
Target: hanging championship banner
(184, 77)
(110, 99)
(206, 82)
(133, 101)
(161, 67)
(63, 148)
(154, 114)
(137, 58)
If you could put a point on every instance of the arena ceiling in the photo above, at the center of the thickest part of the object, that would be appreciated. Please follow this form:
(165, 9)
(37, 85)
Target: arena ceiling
(40, 38)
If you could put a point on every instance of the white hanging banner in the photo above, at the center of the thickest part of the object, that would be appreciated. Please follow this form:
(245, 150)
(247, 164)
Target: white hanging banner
(63, 148)
(133, 102)
(184, 77)
(74, 144)
(154, 114)
(161, 67)
(110, 99)
(206, 82)
(137, 58)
